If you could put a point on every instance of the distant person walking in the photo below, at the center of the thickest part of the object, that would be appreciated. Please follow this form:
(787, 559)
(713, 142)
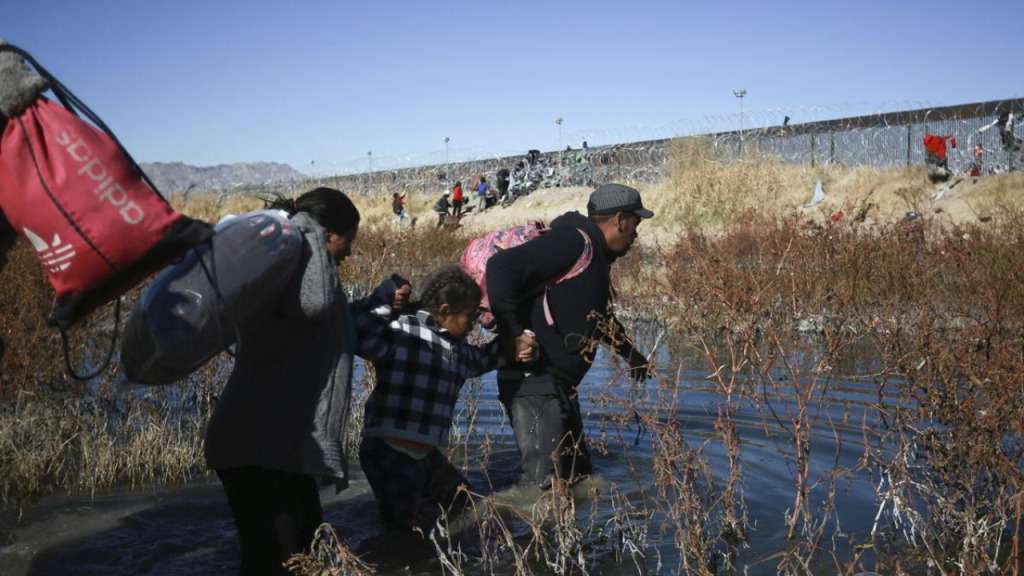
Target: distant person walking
(482, 192)
(441, 207)
(398, 207)
(974, 169)
(457, 199)
(503, 184)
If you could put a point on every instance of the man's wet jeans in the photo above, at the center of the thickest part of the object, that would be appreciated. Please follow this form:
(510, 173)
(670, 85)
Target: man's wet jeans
(548, 430)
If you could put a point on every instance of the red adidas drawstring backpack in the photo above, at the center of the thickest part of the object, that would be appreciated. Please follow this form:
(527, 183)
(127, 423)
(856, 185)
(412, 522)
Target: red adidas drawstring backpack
(69, 189)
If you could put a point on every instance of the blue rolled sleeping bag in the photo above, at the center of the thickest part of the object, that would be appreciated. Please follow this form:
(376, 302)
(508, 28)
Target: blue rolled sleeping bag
(180, 322)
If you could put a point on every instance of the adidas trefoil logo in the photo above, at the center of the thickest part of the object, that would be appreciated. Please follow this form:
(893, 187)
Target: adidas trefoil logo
(56, 257)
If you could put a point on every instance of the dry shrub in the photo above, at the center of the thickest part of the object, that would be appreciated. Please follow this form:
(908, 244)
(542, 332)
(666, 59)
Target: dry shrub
(212, 206)
(98, 441)
(702, 191)
(381, 251)
(555, 536)
(60, 434)
(328, 557)
(944, 309)
(31, 362)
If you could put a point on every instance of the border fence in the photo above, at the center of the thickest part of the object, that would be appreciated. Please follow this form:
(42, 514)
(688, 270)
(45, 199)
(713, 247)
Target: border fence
(886, 140)
(882, 140)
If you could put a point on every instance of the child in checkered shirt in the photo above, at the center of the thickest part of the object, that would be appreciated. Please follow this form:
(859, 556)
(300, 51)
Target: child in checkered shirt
(422, 360)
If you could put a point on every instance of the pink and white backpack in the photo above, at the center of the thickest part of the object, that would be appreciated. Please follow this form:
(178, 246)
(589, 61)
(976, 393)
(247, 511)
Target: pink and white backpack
(474, 261)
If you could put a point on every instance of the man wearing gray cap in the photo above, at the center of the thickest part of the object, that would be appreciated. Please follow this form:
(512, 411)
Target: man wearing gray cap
(541, 400)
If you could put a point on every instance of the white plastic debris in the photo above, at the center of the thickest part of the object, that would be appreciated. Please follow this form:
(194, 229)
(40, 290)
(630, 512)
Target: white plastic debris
(819, 195)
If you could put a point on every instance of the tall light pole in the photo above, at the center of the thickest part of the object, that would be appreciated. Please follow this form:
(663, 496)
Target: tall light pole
(740, 94)
(447, 170)
(369, 172)
(559, 122)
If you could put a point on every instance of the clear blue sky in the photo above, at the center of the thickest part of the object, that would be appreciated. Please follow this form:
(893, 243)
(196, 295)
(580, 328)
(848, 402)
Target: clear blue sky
(234, 81)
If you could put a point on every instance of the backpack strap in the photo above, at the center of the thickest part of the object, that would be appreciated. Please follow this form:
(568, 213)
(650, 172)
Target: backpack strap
(581, 264)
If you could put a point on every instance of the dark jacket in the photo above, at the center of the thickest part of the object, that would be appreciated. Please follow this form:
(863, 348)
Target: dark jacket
(285, 406)
(515, 287)
(441, 207)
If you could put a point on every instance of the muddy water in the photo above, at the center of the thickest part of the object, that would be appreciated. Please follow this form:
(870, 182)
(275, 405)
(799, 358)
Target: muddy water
(188, 529)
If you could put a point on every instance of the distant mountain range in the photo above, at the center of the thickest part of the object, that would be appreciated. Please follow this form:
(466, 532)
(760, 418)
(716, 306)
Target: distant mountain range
(175, 177)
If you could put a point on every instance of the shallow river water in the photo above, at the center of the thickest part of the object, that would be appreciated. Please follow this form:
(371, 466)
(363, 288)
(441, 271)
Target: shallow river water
(188, 529)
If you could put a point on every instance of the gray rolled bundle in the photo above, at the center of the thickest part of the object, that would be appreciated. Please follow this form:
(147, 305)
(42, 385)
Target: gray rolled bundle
(181, 321)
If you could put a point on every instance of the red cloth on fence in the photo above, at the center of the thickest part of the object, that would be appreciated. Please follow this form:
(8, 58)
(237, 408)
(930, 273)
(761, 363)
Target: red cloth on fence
(936, 145)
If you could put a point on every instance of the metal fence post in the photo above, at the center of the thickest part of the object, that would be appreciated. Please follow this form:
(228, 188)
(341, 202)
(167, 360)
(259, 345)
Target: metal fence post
(909, 126)
(832, 147)
(812, 150)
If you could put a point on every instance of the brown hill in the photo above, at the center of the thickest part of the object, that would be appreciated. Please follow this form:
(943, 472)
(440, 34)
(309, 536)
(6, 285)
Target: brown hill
(176, 177)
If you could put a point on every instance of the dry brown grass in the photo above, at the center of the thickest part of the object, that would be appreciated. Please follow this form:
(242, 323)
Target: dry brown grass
(88, 445)
(60, 434)
(703, 193)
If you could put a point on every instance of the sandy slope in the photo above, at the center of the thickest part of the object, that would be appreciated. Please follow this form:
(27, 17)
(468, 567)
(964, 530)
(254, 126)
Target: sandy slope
(890, 194)
(544, 204)
(958, 201)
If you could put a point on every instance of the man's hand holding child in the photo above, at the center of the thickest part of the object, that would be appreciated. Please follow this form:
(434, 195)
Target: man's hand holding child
(527, 348)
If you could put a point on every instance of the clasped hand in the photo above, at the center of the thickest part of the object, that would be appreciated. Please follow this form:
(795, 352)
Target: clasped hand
(522, 349)
(527, 348)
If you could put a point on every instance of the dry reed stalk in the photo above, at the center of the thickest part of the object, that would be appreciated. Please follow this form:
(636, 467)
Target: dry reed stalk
(327, 556)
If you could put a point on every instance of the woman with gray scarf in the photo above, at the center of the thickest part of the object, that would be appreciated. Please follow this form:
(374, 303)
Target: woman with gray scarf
(279, 427)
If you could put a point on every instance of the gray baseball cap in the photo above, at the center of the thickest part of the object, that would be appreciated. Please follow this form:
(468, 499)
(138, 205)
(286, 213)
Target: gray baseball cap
(613, 198)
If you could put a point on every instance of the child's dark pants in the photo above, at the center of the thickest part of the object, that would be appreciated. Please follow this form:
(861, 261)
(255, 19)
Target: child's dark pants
(411, 493)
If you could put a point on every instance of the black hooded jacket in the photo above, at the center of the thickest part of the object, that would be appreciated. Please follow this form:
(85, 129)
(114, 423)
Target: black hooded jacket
(515, 287)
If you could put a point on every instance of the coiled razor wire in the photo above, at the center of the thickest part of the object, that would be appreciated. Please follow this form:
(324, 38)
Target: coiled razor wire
(888, 137)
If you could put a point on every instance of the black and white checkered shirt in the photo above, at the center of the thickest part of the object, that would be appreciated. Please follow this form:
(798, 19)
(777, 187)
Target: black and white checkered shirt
(420, 370)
